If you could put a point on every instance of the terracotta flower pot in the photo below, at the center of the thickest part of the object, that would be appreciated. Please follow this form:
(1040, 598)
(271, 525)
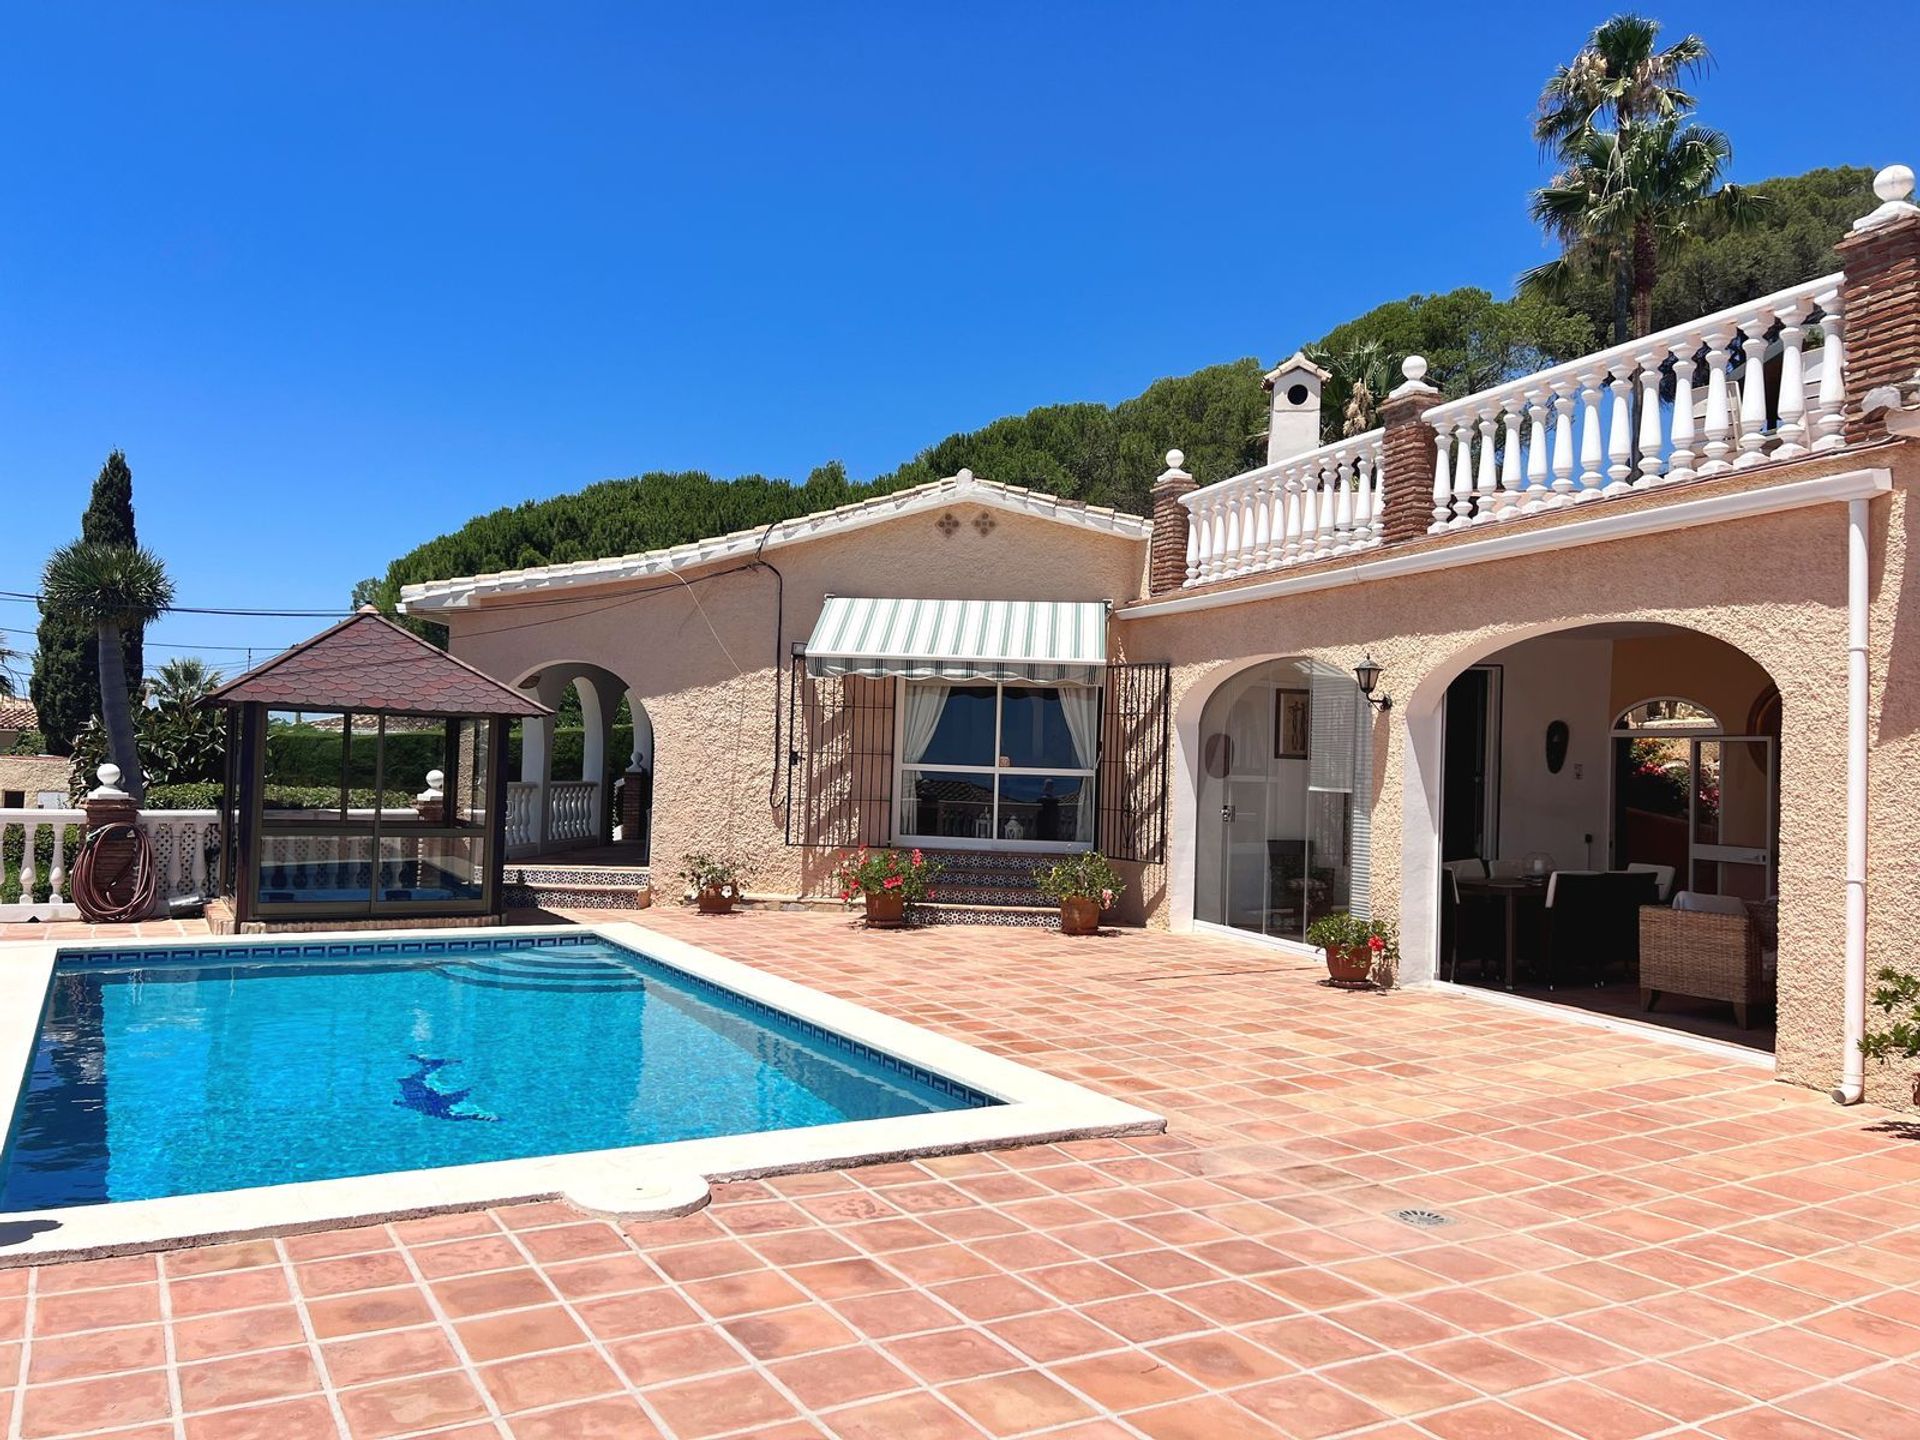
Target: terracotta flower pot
(1079, 915)
(1349, 965)
(886, 909)
(712, 902)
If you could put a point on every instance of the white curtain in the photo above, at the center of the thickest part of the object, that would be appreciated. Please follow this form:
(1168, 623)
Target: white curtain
(1080, 705)
(925, 702)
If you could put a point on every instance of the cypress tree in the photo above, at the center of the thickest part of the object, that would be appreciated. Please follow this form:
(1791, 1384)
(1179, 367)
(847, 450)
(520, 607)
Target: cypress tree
(65, 685)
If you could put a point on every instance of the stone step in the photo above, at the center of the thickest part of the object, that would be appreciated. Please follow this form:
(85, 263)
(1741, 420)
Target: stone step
(937, 912)
(575, 895)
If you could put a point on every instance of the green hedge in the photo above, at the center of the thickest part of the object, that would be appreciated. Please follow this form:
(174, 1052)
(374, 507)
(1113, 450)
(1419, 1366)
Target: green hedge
(302, 755)
(15, 845)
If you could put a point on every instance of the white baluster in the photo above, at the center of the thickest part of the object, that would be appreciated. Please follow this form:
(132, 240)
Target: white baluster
(1442, 482)
(27, 873)
(1537, 491)
(1792, 404)
(1462, 474)
(1230, 555)
(1194, 528)
(1485, 486)
(1718, 426)
(1513, 465)
(1619, 432)
(57, 876)
(1343, 502)
(1295, 526)
(1249, 526)
(1649, 437)
(1364, 476)
(1680, 461)
(1590, 451)
(1829, 427)
(1318, 514)
(1216, 537)
(1563, 402)
(1263, 522)
(1753, 392)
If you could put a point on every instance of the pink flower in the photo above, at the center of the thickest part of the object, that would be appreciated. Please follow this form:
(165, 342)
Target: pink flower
(918, 858)
(1106, 899)
(892, 882)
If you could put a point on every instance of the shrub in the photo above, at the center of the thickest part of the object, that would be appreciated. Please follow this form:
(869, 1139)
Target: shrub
(1897, 996)
(1082, 877)
(1341, 931)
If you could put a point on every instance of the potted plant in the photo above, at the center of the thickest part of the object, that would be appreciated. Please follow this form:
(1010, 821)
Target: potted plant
(712, 884)
(1354, 947)
(1084, 885)
(888, 880)
(1897, 996)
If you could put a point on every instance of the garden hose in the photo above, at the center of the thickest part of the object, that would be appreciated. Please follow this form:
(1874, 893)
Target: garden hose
(94, 893)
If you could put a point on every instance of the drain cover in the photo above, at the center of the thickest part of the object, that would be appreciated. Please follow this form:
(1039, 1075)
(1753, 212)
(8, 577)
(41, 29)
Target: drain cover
(1426, 1219)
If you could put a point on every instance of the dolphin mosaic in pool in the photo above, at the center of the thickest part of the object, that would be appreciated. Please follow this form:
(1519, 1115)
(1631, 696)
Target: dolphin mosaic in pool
(417, 1093)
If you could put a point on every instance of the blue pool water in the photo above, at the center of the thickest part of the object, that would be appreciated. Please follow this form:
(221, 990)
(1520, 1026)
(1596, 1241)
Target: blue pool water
(198, 1068)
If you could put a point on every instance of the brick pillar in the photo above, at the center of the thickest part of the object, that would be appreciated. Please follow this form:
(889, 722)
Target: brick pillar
(636, 798)
(1881, 298)
(113, 860)
(1407, 455)
(1167, 555)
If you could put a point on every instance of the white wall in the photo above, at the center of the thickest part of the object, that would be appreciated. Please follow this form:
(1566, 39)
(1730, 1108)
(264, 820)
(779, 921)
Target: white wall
(1542, 681)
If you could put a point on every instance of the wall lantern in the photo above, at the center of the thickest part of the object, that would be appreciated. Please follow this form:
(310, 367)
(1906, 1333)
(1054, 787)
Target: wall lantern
(1367, 672)
(1558, 737)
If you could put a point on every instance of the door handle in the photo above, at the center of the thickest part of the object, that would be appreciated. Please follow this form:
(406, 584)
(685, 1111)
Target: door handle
(1228, 813)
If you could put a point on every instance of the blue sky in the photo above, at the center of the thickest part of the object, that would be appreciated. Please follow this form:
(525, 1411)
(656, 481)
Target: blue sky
(338, 276)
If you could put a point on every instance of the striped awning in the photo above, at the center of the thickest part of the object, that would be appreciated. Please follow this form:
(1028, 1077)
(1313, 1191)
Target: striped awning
(1048, 641)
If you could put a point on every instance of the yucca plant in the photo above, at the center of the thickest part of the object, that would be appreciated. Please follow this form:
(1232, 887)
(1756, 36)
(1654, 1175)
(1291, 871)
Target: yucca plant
(113, 588)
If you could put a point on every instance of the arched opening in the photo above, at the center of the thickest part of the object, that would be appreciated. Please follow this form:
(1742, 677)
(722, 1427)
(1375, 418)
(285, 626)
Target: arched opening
(571, 766)
(1282, 833)
(1605, 840)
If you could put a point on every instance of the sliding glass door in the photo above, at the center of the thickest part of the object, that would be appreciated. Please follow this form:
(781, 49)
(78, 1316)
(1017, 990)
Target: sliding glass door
(1002, 766)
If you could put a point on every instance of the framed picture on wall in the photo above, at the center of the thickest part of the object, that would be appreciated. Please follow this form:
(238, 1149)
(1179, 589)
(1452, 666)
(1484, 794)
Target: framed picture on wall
(1292, 724)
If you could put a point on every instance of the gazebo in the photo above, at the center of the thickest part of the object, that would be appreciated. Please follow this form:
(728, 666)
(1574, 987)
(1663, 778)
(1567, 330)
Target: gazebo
(366, 785)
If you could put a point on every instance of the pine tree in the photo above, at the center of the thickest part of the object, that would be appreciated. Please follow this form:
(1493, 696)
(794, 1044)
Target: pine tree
(65, 685)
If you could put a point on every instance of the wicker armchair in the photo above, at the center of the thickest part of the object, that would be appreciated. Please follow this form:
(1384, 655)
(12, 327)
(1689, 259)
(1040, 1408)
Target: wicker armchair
(1708, 956)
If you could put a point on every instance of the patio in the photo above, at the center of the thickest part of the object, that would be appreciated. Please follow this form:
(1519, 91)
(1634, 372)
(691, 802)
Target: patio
(1640, 1240)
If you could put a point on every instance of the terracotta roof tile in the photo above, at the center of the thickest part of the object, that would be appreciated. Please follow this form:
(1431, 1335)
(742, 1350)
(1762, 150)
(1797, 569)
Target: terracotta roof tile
(18, 714)
(368, 664)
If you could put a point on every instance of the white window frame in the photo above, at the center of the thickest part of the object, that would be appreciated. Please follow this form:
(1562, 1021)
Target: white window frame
(903, 772)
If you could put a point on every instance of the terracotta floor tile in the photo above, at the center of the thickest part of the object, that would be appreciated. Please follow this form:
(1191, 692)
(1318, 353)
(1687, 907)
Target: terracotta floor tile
(387, 1356)
(614, 1417)
(348, 1273)
(466, 1257)
(1488, 1420)
(839, 1377)
(399, 1407)
(468, 1295)
(782, 1333)
(212, 1259)
(99, 1352)
(519, 1332)
(374, 1310)
(95, 1274)
(96, 1309)
(921, 1416)
(1050, 1335)
(744, 1294)
(1397, 1386)
(85, 1405)
(1208, 1418)
(882, 1316)
(1306, 1408)
(533, 1382)
(712, 1406)
(243, 1379)
(1222, 1361)
(1016, 1403)
(308, 1418)
(675, 1355)
(236, 1290)
(949, 1355)
(1126, 1380)
(637, 1314)
(1590, 1411)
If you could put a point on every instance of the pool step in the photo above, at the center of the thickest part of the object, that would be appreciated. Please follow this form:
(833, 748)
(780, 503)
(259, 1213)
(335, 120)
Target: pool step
(511, 970)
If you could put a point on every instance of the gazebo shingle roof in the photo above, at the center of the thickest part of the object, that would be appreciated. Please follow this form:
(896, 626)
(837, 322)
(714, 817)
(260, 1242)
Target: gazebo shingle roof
(368, 664)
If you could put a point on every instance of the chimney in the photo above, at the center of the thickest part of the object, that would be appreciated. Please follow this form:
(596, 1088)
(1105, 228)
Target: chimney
(1293, 421)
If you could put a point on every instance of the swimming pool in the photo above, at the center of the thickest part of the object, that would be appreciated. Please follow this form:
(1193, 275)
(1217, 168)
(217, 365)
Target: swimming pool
(251, 1087)
(166, 1071)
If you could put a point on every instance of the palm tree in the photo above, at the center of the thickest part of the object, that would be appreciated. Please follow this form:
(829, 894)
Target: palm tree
(7, 657)
(1620, 74)
(1625, 201)
(113, 588)
(181, 684)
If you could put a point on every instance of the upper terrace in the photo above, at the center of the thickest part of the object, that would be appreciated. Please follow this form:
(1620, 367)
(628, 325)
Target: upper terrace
(1809, 370)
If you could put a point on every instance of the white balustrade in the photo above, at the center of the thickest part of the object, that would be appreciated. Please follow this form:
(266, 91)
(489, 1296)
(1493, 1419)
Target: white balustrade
(1324, 503)
(573, 811)
(1626, 437)
(523, 817)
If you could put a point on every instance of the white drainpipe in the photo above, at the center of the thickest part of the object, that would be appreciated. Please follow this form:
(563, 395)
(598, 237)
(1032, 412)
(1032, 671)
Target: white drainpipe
(1854, 999)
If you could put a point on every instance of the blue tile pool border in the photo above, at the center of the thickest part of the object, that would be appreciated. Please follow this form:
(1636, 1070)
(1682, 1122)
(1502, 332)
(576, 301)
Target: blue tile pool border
(400, 948)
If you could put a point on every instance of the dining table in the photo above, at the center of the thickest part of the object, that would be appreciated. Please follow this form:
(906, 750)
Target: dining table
(1515, 893)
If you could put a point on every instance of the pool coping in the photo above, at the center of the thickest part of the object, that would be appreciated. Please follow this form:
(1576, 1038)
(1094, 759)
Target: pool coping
(656, 1181)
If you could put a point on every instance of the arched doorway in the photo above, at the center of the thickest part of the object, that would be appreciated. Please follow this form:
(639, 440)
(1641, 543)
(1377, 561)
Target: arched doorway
(1282, 833)
(1564, 783)
(571, 765)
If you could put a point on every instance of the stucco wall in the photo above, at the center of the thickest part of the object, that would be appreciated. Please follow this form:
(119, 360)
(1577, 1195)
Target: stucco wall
(1773, 586)
(32, 774)
(703, 657)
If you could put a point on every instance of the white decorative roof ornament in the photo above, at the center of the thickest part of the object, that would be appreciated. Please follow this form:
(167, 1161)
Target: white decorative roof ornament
(1414, 368)
(1894, 186)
